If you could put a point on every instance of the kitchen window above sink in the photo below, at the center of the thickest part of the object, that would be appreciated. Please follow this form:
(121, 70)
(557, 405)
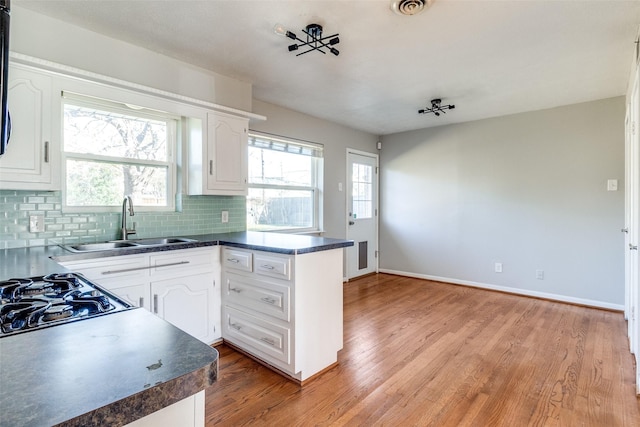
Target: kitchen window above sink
(113, 149)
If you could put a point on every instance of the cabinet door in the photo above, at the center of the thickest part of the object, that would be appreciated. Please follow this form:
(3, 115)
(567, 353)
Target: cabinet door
(188, 302)
(135, 294)
(227, 154)
(27, 161)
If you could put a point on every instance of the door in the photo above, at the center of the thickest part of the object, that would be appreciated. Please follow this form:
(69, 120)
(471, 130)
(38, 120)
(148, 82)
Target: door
(632, 221)
(362, 213)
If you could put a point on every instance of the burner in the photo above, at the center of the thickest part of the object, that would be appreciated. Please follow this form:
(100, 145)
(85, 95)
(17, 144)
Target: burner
(57, 312)
(8, 288)
(21, 315)
(37, 289)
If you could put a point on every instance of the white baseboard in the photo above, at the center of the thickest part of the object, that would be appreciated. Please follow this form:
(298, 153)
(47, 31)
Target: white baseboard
(526, 292)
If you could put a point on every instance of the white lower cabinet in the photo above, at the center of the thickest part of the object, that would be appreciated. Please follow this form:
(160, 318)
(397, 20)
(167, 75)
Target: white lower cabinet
(188, 303)
(187, 412)
(285, 310)
(180, 286)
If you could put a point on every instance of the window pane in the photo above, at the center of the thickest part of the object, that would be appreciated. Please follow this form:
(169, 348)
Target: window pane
(91, 183)
(279, 168)
(92, 131)
(272, 209)
(362, 191)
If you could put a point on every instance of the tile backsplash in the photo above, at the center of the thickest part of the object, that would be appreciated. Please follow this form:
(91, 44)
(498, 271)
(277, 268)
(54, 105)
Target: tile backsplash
(198, 215)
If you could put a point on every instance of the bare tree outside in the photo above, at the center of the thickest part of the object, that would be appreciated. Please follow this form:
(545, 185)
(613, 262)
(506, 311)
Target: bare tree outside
(119, 154)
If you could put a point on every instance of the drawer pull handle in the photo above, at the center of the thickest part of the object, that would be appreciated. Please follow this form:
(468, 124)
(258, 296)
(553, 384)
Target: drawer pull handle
(267, 267)
(236, 326)
(155, 303)
(268, 300)
(268, 341)
(236, 290)
(141, 302)
(233, 260)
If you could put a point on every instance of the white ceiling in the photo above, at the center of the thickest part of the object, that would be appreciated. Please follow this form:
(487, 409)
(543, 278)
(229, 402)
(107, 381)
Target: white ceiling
(489, 58)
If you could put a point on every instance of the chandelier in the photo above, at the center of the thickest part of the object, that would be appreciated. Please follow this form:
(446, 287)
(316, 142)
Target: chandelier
(315, 40)
(436, 108)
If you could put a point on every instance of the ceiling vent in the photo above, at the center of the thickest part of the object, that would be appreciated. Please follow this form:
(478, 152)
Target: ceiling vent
(409, 7)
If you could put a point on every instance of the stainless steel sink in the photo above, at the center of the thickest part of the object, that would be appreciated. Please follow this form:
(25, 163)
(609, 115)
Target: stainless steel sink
(162, 241)
(90, 247)
(120, 244)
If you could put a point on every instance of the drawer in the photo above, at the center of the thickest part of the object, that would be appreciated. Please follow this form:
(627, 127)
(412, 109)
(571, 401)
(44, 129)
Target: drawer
(237, 259)
(257, 335)
(130, 266)
(183, 260)
(272, 266)
(264, 297)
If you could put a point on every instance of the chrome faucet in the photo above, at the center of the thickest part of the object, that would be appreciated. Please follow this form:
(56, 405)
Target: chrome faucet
(126, 231)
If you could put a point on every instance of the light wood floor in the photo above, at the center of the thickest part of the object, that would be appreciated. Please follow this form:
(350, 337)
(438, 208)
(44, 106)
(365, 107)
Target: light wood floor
(419, 353)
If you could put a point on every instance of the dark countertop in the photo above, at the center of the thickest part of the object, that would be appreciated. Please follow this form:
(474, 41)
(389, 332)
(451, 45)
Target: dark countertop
(289, 244)
(96, 372)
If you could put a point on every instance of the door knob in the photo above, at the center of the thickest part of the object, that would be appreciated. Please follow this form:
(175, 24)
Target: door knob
(351, 222)
(632, 247)
(625, 230)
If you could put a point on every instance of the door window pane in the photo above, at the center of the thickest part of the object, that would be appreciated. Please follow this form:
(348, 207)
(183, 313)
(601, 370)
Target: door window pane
(362, 194)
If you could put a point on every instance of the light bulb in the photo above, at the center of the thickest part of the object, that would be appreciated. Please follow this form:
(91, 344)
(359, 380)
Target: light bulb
(280, 30)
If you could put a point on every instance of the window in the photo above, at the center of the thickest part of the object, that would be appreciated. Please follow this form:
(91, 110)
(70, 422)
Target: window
(284, 184)
(112, 150)
(362, 183)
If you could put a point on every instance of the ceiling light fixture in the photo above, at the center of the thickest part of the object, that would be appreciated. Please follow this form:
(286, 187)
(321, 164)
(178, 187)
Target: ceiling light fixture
(314, 41)
(436, 108)
(409, 7)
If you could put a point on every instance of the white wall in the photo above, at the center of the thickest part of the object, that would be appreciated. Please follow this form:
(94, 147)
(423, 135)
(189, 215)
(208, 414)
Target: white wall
(42, 37)
(527, 190)
(336, 139)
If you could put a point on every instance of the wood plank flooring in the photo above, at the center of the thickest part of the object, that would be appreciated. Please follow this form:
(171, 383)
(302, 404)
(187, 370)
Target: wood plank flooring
(422, 353)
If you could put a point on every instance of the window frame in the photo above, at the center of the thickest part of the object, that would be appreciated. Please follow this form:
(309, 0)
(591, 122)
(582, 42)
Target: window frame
(173, 132)
(317, 173)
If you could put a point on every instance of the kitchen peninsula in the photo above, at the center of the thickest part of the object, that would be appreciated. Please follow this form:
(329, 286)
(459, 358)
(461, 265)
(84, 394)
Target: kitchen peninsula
(119, 367)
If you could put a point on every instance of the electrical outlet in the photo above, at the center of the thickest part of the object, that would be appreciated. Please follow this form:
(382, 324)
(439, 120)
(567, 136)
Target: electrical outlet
(36, 223)
(498, 267)
(225, 216)
(540, 274)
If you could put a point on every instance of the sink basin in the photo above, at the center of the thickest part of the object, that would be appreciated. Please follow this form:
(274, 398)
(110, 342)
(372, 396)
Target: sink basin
(119, 244)
(90, 247)
(162, 241)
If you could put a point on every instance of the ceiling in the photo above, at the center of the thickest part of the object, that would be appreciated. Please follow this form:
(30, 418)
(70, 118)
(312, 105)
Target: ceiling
(489, 58)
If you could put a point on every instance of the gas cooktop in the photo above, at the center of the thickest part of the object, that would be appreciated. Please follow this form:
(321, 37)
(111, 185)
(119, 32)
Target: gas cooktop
(43, 301)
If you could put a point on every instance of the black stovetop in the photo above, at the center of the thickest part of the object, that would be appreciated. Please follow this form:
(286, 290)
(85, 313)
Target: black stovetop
(39, 302)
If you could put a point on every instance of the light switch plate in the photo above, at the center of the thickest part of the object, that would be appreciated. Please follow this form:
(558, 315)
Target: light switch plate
(225, 216)
(612, 185)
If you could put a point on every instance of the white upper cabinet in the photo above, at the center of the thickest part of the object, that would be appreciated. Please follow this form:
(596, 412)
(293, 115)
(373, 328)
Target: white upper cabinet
(219, 165)
(33, 151)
